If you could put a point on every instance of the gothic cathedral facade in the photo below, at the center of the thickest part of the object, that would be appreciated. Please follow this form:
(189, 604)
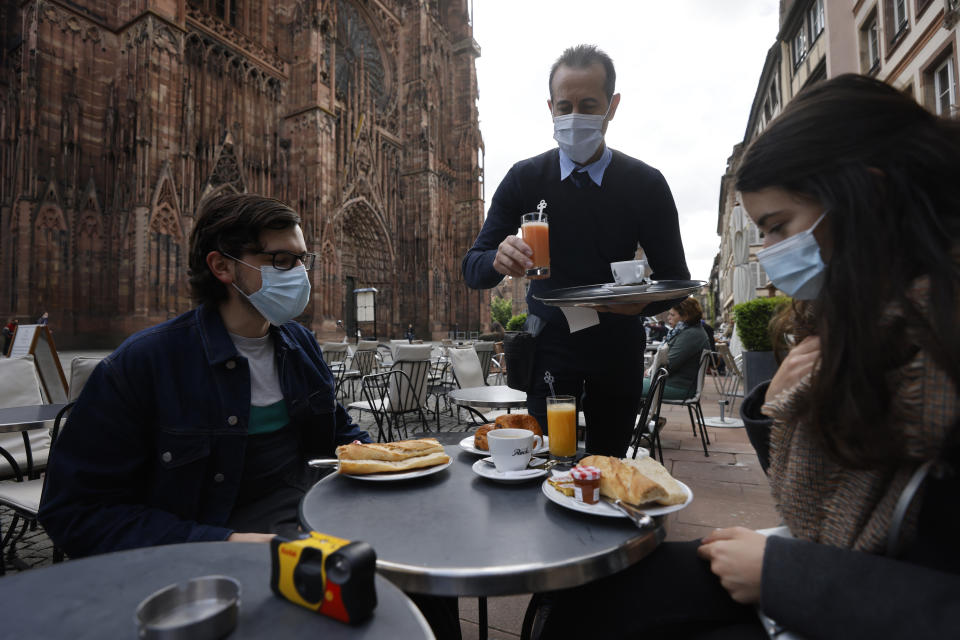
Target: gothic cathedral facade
(117, 117)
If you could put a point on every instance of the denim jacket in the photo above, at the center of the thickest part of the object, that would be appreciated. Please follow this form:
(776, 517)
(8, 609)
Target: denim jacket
(154, 447)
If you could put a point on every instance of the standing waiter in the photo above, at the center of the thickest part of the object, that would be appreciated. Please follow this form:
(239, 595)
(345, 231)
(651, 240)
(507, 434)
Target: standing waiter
(601, 205)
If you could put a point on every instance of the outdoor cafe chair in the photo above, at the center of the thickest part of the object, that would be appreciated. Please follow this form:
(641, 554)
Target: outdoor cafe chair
(335, 355)
(467, 372)
(732, 381)
(20, 387)
(692, 403)
(649, 423)
(361, 363)
(23, 494)
(485, 354)
(391, 395)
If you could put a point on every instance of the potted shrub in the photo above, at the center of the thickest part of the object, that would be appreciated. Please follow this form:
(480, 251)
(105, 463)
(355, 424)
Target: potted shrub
(753, 326)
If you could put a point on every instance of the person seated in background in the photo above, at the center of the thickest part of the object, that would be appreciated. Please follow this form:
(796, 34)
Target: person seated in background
(200, 428)
(686, 341)
(862, 417)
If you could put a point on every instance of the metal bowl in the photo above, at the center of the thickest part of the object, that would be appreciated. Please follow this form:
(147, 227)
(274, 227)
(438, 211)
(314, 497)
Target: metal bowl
(199, 609)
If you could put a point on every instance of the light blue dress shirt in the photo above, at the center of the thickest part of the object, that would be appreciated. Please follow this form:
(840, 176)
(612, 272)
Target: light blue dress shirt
(594, 169)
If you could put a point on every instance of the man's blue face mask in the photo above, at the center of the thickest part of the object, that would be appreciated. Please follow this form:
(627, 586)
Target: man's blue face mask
(283, 295)
(794, 265)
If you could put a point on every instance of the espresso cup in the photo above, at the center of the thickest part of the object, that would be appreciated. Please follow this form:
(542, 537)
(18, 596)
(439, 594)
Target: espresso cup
(629, 271)
(512, 448)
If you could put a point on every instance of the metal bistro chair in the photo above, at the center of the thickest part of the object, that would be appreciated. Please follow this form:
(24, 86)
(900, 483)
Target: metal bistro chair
(393, 394)
(485, 353)
(335, 355)
(465, 365)
(649, 424)
(693, 402)
(23, 494)
(362, 363)
(20, 387)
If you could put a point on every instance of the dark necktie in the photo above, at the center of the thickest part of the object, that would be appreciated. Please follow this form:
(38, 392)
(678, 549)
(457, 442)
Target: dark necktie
(580, 178)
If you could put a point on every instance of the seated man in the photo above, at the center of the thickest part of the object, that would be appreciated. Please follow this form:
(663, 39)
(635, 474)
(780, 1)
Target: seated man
(199, 428)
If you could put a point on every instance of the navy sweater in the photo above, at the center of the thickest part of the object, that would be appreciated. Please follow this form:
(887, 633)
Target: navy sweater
(590, 227)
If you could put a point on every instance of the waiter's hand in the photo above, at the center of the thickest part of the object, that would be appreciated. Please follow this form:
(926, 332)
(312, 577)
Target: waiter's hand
(623, 309)
(513, 257)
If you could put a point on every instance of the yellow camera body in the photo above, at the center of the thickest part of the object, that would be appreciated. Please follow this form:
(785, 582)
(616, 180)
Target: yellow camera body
(326, 574)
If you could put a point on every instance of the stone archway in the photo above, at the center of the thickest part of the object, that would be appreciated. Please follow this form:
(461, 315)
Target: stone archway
(367, 258)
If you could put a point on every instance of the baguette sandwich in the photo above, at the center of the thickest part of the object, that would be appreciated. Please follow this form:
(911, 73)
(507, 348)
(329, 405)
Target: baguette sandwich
(636, 481)
(385, 457)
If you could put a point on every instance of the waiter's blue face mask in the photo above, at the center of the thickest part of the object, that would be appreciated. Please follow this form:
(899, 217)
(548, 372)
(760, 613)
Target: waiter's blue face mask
(794, 265)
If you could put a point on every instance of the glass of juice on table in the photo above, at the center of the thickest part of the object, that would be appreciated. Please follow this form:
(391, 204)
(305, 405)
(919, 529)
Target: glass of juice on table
(536, 233)
(562, 427)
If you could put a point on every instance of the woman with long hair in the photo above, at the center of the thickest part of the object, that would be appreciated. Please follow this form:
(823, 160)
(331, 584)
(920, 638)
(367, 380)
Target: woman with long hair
(854, 187)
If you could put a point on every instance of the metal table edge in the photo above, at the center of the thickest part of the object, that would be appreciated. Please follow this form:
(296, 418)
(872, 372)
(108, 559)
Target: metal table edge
(519, 579)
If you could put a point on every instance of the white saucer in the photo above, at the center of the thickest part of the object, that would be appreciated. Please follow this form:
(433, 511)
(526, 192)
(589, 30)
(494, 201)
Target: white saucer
(485, 470)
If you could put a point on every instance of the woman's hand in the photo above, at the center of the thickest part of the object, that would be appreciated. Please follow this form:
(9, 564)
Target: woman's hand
(736, 557)
(799, 362)
(513, 257)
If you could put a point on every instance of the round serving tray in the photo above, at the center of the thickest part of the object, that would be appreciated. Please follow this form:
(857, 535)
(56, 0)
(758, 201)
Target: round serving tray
(606, 294)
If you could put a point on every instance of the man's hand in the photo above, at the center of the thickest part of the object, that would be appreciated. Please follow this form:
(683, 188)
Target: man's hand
(736, 557)
(513, 257)
(250, 537)
(799, 362)
(634, 309)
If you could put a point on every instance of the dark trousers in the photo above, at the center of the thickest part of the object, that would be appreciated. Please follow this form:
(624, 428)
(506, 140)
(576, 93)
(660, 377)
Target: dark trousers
(603, 367)
(669, 594)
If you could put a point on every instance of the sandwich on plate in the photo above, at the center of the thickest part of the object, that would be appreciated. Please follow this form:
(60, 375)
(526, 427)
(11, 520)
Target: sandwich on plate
(390, 457)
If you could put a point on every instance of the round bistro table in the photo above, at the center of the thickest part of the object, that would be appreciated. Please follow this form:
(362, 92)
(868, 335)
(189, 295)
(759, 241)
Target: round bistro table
(97, 597)
(454, 533)
(489, 397)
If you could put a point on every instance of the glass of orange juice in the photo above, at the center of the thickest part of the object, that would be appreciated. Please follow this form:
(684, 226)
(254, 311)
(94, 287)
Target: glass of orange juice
(562, 427)
(536, 233)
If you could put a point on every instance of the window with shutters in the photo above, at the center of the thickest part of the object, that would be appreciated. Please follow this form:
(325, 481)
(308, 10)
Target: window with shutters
(870, 44)
(815, 20)
(944, 88)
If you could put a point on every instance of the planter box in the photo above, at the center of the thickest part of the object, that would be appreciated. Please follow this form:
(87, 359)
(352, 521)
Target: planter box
(758, 367)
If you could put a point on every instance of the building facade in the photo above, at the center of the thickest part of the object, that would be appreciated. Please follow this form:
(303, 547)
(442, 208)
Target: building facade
(909, 44)
(118, 117)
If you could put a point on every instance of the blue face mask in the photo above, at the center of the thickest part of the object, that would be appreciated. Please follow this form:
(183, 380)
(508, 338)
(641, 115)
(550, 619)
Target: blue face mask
(794, 265)
(579, 134)
(283, 295)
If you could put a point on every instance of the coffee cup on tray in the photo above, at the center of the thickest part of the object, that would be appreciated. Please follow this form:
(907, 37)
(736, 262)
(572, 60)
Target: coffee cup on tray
(629, 271)
(512, 448)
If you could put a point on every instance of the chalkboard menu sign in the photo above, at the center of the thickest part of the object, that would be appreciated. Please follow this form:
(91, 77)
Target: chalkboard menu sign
(36, 340)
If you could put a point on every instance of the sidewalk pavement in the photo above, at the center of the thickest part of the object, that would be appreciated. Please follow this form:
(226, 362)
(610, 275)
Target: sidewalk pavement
(729, 489)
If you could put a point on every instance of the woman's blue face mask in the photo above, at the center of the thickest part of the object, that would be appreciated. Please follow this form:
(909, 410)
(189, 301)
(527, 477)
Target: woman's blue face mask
(795, 265)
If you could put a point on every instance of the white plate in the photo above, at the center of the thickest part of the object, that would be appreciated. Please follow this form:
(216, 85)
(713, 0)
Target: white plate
(603, 509)
(403, 475)
(467, 445)
(485, 470)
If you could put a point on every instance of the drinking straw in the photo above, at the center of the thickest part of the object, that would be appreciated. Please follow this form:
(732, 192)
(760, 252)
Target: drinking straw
(548, 378)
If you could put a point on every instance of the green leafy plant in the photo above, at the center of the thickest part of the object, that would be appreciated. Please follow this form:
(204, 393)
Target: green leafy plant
(501, 310)
(516, 322)
(753, 321)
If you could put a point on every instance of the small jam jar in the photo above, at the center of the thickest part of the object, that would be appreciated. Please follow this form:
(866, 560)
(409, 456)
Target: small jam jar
(586, 484)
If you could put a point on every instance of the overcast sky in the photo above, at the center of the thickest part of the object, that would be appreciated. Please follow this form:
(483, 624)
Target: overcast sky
(687, 71)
